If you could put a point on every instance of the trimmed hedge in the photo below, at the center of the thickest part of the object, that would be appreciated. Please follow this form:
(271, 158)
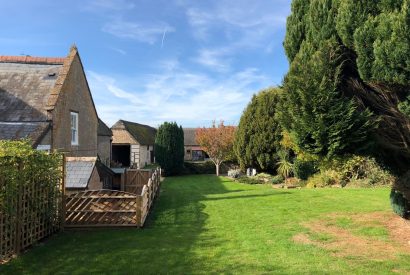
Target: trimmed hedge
(399, 203)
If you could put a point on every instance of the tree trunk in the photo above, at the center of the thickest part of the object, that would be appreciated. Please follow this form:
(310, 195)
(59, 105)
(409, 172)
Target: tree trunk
(217, 169)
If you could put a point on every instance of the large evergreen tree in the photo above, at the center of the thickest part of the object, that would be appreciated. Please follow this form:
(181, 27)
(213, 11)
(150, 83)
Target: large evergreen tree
(349, 72)
(258, 136)
(169, 148)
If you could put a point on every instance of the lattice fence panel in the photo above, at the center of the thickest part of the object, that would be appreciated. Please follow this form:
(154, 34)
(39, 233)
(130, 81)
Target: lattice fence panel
(102, 208)
(29, 211)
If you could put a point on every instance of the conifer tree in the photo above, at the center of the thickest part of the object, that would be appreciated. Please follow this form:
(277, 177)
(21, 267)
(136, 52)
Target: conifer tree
(169, 148)
(258, 136)
(349, 73)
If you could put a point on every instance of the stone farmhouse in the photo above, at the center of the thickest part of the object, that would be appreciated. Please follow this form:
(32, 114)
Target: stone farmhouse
(133, 144)
(48, 101)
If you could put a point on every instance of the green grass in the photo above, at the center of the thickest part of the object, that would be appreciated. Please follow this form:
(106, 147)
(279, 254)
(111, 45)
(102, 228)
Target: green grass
(210, 225)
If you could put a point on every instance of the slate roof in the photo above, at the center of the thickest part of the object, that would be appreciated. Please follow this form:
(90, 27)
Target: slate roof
(26, 85)
(189, 137)
(25, 90)
(143, 134)
(78, 171)
(103, 129)
(19, 130)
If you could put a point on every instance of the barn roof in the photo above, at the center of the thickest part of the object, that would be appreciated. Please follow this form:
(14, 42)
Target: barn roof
(189, 137)
(143, 134)
(103, 129)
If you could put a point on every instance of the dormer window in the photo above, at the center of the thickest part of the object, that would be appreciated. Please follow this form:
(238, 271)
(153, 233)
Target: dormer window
(74, 128)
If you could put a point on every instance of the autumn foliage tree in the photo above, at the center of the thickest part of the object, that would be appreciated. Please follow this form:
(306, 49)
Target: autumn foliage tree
(217, 142)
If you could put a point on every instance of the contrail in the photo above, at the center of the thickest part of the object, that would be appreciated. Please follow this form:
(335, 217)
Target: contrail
(163, 37)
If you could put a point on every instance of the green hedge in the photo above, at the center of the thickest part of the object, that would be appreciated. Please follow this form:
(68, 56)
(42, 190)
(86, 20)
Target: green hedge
(399, 203)
(204, 167)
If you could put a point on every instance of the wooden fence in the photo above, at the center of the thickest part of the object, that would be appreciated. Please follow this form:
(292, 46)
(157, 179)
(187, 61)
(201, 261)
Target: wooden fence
(110, 208)
(101, 208)
(133, 180)
(29, 211)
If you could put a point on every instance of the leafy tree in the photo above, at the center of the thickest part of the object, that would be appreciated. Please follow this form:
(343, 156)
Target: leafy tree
(217, 142)
(169, 148)
(258, 136)
(349, 72)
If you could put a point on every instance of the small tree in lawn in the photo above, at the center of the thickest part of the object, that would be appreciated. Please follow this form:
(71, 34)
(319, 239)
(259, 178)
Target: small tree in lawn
(217, 142)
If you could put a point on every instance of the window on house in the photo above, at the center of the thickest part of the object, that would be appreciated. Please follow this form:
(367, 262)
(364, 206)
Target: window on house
(74, 128)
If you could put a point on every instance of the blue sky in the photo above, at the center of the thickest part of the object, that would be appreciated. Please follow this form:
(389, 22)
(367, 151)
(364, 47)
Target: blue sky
(150, 61)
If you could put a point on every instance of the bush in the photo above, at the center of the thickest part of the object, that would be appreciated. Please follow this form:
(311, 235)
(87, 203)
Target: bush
(325, 178)
(234, 173)
(359, 171)
(277, 179)
(264, 177)
(249, 180)
(196, 168)
(304, 169)
(206, 167)
(399, 204)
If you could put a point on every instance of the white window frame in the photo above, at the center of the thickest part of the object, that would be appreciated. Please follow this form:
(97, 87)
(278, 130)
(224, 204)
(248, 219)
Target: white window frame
(74, 128)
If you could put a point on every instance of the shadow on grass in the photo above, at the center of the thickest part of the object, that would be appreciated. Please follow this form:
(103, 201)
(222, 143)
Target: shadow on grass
(166, 244)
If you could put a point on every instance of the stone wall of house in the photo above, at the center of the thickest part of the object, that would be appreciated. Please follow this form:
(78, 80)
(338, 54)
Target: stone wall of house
(141, 155)
(104, 149)
(145, 155)
(75, 97)
(188, 153)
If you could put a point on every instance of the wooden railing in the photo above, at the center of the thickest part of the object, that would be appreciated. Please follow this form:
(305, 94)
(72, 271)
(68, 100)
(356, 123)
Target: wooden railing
(148, 194)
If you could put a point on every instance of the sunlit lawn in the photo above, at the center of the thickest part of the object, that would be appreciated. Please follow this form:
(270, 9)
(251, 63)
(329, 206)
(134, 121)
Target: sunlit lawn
(206, 224)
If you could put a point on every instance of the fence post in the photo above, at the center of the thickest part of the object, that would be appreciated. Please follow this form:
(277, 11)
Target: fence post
(18, 217)
(123, 179)
(138, 213)
(63, 198)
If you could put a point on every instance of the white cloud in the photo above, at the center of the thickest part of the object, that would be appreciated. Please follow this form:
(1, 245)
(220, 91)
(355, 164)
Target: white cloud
(107, 5)
(247, 23)
(148, 33)
(118, 50)
(215, 59)
(191, 99)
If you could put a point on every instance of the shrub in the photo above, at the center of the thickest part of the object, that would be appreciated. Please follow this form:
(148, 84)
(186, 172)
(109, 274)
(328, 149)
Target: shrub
(206, 167)
(277, 179)
(303, 169)
(248, 180)
(325, 178)
(285, 166)
(359, 171)
(234, 173)
(265, 177)
(399, 204)
(400, 194)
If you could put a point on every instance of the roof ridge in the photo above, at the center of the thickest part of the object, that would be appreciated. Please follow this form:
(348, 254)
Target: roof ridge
(32, 59)
(136, 123)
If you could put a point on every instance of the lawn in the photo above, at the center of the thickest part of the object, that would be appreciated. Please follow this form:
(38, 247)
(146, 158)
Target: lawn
(206, 224)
